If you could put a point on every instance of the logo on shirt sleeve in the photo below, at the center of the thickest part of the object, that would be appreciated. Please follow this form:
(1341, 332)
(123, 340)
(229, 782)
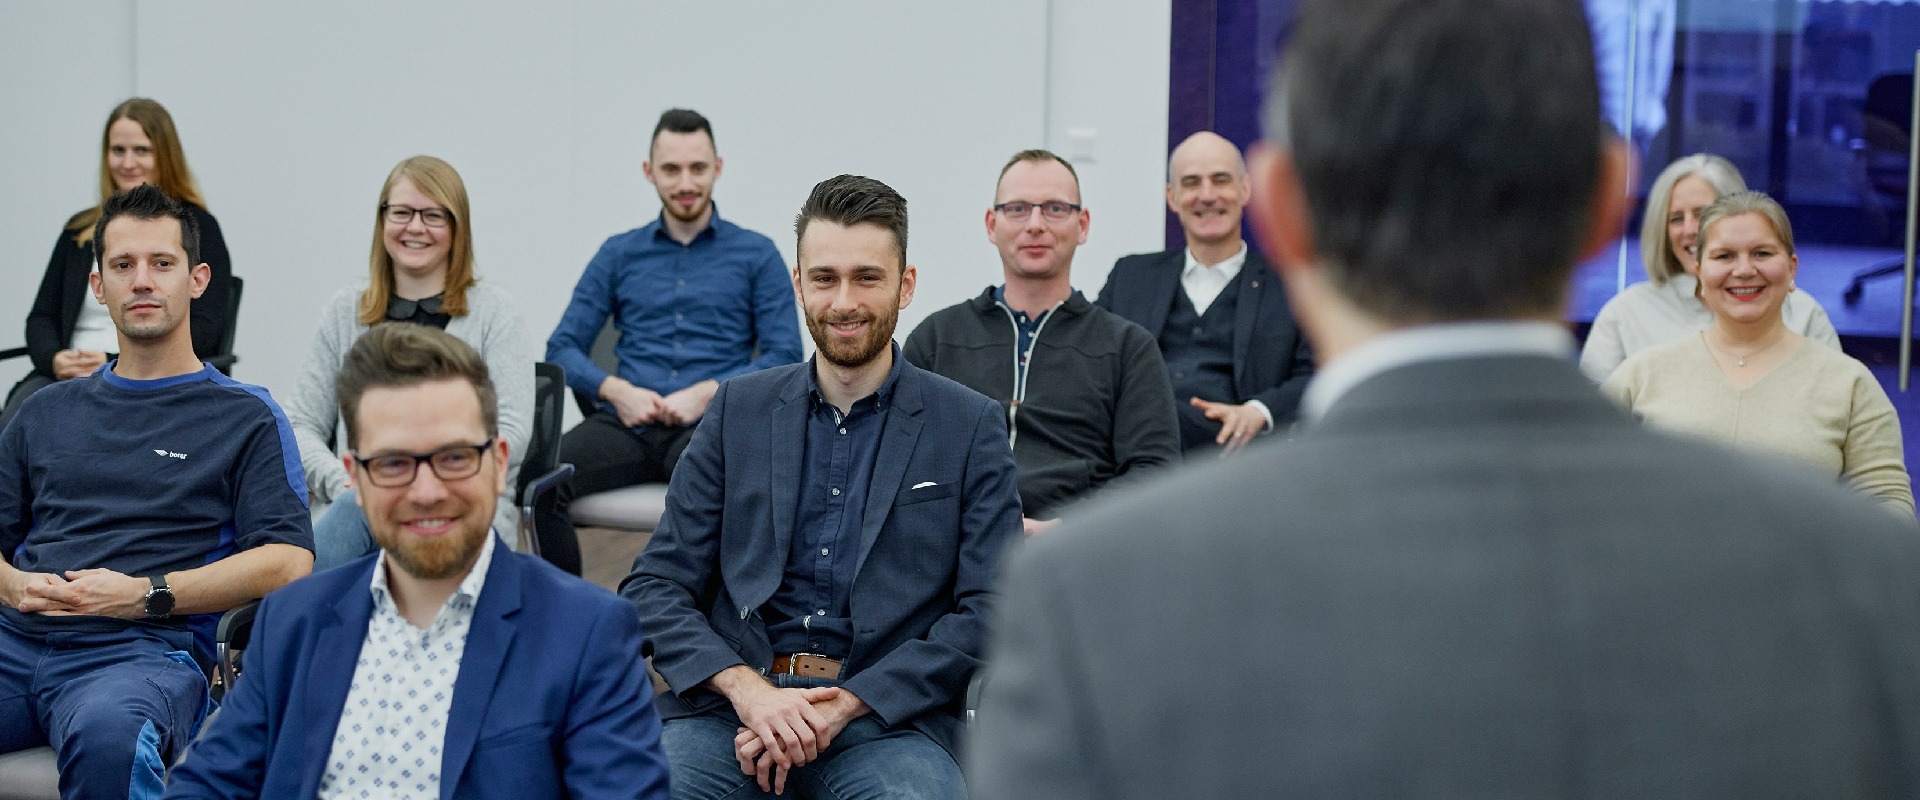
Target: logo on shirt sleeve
(181, 456)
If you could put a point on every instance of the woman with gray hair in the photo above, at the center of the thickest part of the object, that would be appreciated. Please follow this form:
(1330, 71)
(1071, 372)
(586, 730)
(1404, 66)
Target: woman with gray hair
(1751, 380)
(1668, 306)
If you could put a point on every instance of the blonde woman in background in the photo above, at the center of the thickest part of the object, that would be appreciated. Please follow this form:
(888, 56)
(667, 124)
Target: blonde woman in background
(1668, 307)
(1750, 379)
(420, 272)
(68, 334)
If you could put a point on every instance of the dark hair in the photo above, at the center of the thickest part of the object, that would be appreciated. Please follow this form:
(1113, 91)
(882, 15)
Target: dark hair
(399, 354)
(1037, 154)
(1449, 150)
(851, 200)
(146, 202)
(680, 120)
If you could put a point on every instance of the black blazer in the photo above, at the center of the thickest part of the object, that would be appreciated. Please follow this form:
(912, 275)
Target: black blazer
(1271, 358)
(64, 287)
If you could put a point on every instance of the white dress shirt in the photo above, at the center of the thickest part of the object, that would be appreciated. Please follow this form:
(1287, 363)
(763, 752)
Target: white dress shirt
(394, 724)
(1204, 283)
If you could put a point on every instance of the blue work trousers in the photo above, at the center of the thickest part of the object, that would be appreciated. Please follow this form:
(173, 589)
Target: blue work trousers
(116, 707)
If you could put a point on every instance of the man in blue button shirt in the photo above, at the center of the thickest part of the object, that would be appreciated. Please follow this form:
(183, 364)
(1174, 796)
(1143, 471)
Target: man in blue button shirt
(817, 590)
(696, 299)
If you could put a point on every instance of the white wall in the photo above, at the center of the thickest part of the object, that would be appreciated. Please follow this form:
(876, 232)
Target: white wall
(292, 114)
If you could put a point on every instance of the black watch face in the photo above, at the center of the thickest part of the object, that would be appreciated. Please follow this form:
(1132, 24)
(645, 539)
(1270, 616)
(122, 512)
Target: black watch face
(160, 603)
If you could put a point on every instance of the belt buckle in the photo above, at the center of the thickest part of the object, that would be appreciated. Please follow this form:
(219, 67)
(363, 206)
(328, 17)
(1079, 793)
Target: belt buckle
(793, 663)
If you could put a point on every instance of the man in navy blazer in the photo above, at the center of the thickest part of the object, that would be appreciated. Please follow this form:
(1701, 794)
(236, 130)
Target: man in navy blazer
(1237, 359)
(446, 666)
(818, 586)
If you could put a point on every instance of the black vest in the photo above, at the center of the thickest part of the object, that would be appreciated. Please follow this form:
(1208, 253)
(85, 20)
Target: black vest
(1198, 349)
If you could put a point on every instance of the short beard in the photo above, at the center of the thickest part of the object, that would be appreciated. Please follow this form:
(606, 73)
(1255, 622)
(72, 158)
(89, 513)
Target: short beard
(673, 209)
(433, 559)
(860, 352)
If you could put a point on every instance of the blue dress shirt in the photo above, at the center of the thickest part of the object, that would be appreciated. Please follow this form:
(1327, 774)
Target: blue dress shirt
(719, 306)
(810, 612)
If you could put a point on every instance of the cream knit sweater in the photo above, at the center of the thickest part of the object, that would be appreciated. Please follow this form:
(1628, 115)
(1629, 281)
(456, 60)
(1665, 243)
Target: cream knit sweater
(1818, 406)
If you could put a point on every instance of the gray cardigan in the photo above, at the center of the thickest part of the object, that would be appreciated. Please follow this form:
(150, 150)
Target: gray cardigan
(491, 325)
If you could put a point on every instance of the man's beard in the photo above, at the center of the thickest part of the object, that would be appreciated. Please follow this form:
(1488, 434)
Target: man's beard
(435, 558)
(857, 352)
(673, 208)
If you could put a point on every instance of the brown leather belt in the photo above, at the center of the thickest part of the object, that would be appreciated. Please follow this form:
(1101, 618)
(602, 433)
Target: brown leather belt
(807, 665)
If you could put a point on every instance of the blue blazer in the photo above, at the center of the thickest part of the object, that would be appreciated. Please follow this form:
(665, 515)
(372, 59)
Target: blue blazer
(942, 503)
(1272, 361)
(552, 698)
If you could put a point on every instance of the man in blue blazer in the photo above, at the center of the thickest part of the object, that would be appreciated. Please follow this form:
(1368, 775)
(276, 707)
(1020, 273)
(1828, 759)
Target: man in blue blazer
(1236, 357)
(818, 587)
(446, 666)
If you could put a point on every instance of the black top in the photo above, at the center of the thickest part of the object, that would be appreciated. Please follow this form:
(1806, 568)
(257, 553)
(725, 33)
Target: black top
(64, 287)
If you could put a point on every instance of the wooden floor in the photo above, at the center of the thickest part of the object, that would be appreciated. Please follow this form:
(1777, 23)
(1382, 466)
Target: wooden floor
(606, 554)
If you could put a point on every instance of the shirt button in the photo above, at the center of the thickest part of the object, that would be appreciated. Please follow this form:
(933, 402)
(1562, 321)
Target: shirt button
(679, 317)
(676, 345)
(821, 612)
(843, 431)
(682, 283)
(824, 551)
(836, 491)
(673, 373)
(1197, 330)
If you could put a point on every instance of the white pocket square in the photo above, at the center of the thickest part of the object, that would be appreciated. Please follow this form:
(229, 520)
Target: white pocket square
(923, 485)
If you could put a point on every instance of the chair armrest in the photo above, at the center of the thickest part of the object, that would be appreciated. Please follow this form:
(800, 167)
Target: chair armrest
(12, 352)
(233, 633)
(530, 495)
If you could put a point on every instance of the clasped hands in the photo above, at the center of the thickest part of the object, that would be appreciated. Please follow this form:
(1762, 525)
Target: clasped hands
(787, 728)
(89, 592)
(637, 405)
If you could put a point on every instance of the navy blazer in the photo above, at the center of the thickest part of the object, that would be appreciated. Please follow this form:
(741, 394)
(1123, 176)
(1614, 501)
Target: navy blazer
(942, 503)
(1272, 360)
(552, 699)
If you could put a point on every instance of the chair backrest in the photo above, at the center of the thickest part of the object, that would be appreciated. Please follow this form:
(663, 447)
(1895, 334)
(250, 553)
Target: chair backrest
(235, 285)
(604, 357)
(543, 445)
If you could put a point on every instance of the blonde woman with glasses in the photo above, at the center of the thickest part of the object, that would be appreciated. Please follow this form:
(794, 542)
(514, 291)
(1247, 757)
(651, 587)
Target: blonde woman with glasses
(420, 272)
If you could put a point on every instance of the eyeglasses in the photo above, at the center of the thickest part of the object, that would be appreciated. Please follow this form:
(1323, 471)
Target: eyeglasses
(431, 217)
(1019, 209)
(451, 463)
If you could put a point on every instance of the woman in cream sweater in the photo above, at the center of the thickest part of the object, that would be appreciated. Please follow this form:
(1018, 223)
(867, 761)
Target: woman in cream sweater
(1751, 380)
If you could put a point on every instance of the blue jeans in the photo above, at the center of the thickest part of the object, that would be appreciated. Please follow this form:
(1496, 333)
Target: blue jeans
(341, 535)
(116, 707)
(867, 760)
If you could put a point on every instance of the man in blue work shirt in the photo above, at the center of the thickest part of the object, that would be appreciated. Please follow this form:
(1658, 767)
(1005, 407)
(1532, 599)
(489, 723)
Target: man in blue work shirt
(696, 299)
(135, 505)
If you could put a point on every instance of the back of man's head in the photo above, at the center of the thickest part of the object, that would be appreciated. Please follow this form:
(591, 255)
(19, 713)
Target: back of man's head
(402, 354)
(147, 202)
(1448, 151)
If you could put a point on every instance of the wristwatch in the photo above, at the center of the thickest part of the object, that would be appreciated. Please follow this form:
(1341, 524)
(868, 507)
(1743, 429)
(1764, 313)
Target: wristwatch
(159, 598)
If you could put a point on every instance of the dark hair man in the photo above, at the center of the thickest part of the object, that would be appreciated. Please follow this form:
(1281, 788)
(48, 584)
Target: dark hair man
(1237, 360)
(1470, 575)
(447, 660)
(818, 586)
(134, 506)
(696, 300)
(1084, 391)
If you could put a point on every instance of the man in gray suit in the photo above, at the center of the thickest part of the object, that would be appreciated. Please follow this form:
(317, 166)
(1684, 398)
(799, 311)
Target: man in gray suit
(1470, 576)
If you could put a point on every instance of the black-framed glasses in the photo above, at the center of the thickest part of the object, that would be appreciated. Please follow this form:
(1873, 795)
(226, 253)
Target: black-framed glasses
(451, 463)
(1019, 209)
(431, 217)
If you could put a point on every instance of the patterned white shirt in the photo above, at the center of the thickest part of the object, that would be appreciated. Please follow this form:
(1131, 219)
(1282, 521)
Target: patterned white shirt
(394, 723)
